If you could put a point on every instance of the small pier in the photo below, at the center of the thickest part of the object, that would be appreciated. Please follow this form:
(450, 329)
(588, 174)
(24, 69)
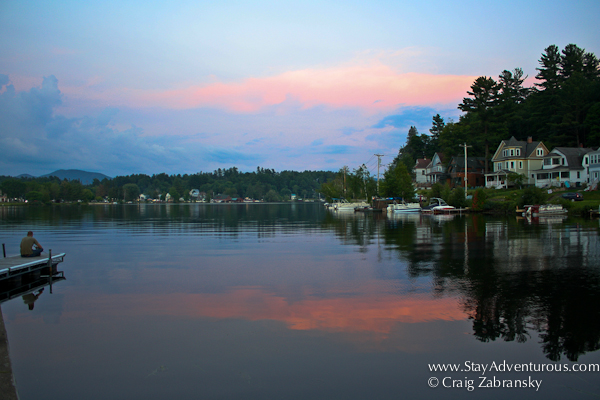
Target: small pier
(17, 267)
(19, 275)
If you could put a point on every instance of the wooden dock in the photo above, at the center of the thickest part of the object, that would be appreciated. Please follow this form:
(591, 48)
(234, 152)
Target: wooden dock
(16, 269)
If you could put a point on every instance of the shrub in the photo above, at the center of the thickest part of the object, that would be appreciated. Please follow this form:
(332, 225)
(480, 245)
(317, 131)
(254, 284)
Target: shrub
(457, 198)
(533, 195)
(479, 199)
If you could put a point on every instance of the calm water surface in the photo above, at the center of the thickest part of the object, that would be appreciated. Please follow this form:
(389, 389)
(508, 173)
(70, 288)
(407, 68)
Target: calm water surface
(289, 301)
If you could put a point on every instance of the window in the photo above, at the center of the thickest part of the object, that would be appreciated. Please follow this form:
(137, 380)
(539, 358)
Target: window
(423, 172)
(539, 152)
(518, 152)
(564, 175)
(512, 152)
(562, 161)
(512, 164)
(578, 175)
(520, 164)
(547, 161)
(499, 166)
(506, 165)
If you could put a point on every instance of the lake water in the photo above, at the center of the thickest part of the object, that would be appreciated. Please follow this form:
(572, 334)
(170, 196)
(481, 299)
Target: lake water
(290, 301)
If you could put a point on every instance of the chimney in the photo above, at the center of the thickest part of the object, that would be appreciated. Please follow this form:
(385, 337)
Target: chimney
(529, 139)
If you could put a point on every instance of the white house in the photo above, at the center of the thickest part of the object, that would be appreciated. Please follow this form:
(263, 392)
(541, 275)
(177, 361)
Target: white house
(564, 166)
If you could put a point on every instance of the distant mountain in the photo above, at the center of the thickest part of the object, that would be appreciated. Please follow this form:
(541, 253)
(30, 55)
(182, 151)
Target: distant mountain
(25, 176)
(84, 177)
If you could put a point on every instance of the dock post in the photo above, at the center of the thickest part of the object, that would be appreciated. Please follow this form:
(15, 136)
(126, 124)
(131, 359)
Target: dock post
(50, 269)
(4, 250)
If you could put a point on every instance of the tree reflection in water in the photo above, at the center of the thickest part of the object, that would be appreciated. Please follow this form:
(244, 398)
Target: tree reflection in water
(515, 277)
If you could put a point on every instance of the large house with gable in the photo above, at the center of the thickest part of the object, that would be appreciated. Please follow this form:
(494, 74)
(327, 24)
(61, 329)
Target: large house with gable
(436, 170)
(427, 172)
(564, 166)
(516, 157)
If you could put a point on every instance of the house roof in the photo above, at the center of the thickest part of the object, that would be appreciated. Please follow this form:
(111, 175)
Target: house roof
(557, 168)
(527, 148)
(422, 163)
(472, 162)
(439, 156)
(574, 155)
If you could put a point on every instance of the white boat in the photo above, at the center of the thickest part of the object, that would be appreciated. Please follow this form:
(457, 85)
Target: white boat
(437, 205)
(345, 205)
(542, 210)
(403, 207)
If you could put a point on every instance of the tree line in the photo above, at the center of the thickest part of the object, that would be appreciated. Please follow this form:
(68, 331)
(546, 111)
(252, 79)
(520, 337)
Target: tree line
(262, 184)
(561, 109)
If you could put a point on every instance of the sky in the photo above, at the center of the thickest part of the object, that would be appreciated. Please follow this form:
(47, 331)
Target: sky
(124, 87)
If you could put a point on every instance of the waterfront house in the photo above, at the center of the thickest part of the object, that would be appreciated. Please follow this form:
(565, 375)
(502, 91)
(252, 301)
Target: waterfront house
(436, 170)
(516, 157)
(564, 166)
(475, 171)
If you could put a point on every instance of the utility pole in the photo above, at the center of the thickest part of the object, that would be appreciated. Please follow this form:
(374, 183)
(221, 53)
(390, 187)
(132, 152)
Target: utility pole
(364, 168)
(378, 165)
(465, 147)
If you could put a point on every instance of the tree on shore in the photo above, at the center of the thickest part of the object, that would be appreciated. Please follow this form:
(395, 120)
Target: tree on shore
(398, 182)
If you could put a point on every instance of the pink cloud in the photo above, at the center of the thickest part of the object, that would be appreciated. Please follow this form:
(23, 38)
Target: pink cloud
(371, 87)
(374, 87)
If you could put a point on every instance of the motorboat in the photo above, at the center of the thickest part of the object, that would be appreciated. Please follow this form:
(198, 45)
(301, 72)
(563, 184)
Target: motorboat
(537, 210)
(436, 206)
(345, 205)
(403, 207)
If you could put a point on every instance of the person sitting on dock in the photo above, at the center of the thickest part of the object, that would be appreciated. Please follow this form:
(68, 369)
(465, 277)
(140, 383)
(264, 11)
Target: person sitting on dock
(27, 244)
